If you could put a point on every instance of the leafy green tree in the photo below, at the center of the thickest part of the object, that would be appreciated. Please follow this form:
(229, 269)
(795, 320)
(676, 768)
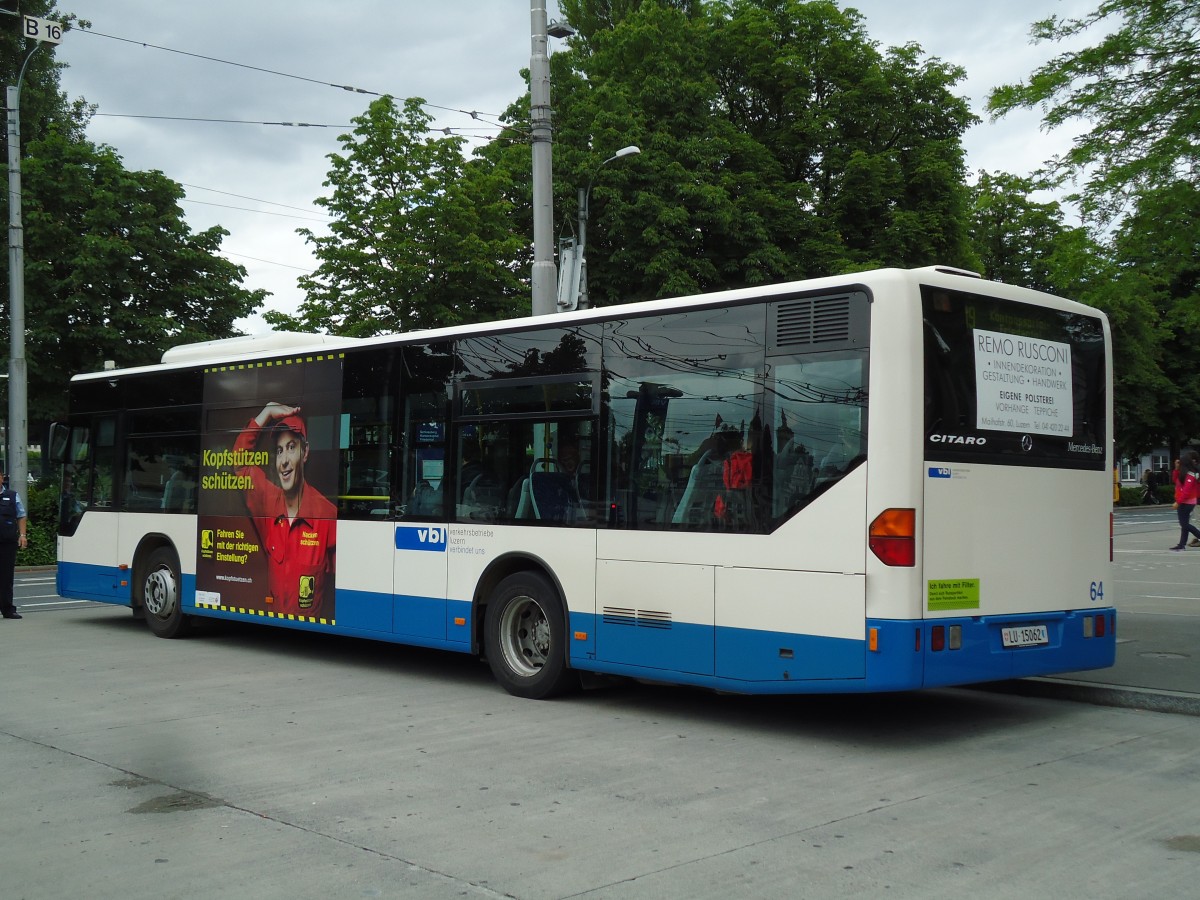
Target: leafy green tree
(42, 103)
(1138, 160)
(589, 17)
(1136, 90)
(413, 244)
(1025, 242)
(1016, 238)
(778, 143)
(112, 270)
(1157, 255)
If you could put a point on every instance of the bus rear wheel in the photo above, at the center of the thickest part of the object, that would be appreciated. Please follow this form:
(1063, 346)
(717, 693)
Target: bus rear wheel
(162, 595)
(525, 637)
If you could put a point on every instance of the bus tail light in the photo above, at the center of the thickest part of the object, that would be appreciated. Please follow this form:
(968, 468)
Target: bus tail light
(1095, 626)
(893, 537)
(944, 637)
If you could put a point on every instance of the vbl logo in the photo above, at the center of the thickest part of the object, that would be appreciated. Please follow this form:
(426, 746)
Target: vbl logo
(423, 537)
(431, 535)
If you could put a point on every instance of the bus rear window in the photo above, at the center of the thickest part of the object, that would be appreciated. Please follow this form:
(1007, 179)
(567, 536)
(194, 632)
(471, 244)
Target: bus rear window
(1012, 383)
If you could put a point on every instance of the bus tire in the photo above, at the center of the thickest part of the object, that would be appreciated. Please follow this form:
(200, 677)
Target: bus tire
(525, 637)
(162, 593)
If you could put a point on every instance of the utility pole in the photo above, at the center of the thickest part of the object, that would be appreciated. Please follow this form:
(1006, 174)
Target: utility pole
(545, 276)
(41, 31)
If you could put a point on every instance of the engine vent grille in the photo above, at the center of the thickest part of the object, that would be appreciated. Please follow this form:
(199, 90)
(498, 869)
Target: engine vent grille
(638, 618)
(830, 322)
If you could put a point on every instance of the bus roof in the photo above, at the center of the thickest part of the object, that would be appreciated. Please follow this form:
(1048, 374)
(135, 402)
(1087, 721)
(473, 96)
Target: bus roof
(248, 347)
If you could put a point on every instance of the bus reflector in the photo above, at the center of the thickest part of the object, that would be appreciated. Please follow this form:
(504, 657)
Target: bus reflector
(873, 639)
(1100, 626)
(892, 537)
(937, 638)
(581, 635)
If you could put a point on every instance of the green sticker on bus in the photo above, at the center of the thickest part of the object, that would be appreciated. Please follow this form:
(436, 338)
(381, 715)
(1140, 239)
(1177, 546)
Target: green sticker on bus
(953, 593)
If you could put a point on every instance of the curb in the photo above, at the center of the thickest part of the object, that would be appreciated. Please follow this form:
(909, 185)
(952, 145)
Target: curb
(1125, 697)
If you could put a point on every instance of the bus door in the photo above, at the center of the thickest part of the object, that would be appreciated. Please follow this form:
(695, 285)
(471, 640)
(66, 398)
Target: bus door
(419, 565)
(89, 526)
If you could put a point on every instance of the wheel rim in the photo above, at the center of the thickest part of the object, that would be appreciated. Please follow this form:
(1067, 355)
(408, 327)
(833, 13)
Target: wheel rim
(161, 594)
(525, 636)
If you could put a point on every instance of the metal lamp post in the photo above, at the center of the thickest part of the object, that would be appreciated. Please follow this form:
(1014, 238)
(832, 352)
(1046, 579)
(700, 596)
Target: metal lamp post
(585, 195)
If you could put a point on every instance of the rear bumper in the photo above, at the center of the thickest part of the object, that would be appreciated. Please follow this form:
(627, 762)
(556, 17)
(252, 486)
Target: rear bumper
(905, 656)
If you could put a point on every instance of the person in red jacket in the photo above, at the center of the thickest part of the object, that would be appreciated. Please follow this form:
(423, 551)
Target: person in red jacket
(296, 524)
(1187, 489)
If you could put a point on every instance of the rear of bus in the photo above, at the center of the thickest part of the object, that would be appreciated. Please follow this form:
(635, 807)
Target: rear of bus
(1012, 527)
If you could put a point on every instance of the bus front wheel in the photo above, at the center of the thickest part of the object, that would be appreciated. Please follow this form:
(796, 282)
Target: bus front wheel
(161, 595)
(525, 637)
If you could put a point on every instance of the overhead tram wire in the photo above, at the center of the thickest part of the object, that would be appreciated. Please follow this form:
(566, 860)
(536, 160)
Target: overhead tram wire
(228, 62)
(474, 114)
(269, 262)
(261, 212)
(462, 132)
(200, 187)
(219, 121)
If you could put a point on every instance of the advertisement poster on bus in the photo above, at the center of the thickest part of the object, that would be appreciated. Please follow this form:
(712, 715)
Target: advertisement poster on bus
(267, 536)
(1023, 384)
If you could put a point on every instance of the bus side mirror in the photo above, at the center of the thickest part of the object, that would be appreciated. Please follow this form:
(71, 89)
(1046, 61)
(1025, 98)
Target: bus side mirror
(60, 440)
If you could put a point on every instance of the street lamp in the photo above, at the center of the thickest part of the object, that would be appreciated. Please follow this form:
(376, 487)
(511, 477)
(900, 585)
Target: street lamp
(585, 195)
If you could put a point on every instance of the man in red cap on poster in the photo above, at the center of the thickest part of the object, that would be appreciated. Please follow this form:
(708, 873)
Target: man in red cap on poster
(295, 522)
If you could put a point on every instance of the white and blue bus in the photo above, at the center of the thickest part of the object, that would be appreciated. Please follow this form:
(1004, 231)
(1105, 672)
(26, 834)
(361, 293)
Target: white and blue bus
(882, 481)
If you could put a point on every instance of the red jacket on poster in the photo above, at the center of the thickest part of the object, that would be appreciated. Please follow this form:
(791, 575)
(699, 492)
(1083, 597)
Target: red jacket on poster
(300, 552)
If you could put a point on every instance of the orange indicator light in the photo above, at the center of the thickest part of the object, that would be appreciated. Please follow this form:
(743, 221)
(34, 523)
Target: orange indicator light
(892, 537)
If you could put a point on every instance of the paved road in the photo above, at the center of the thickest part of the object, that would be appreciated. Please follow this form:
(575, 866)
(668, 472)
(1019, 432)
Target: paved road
(253, 763)
(1158, 630)
(248, 762)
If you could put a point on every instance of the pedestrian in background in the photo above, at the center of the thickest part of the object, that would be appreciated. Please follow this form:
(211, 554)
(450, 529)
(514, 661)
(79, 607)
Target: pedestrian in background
(1187, 484)
(12, 536)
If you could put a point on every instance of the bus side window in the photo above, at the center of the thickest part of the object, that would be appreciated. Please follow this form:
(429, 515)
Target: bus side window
(419, 487)
(76, 468)
(366, 436)
(820, 425)
(104, 458)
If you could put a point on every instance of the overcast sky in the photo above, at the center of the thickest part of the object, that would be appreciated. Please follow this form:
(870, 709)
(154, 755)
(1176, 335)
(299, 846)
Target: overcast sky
(259, 181)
